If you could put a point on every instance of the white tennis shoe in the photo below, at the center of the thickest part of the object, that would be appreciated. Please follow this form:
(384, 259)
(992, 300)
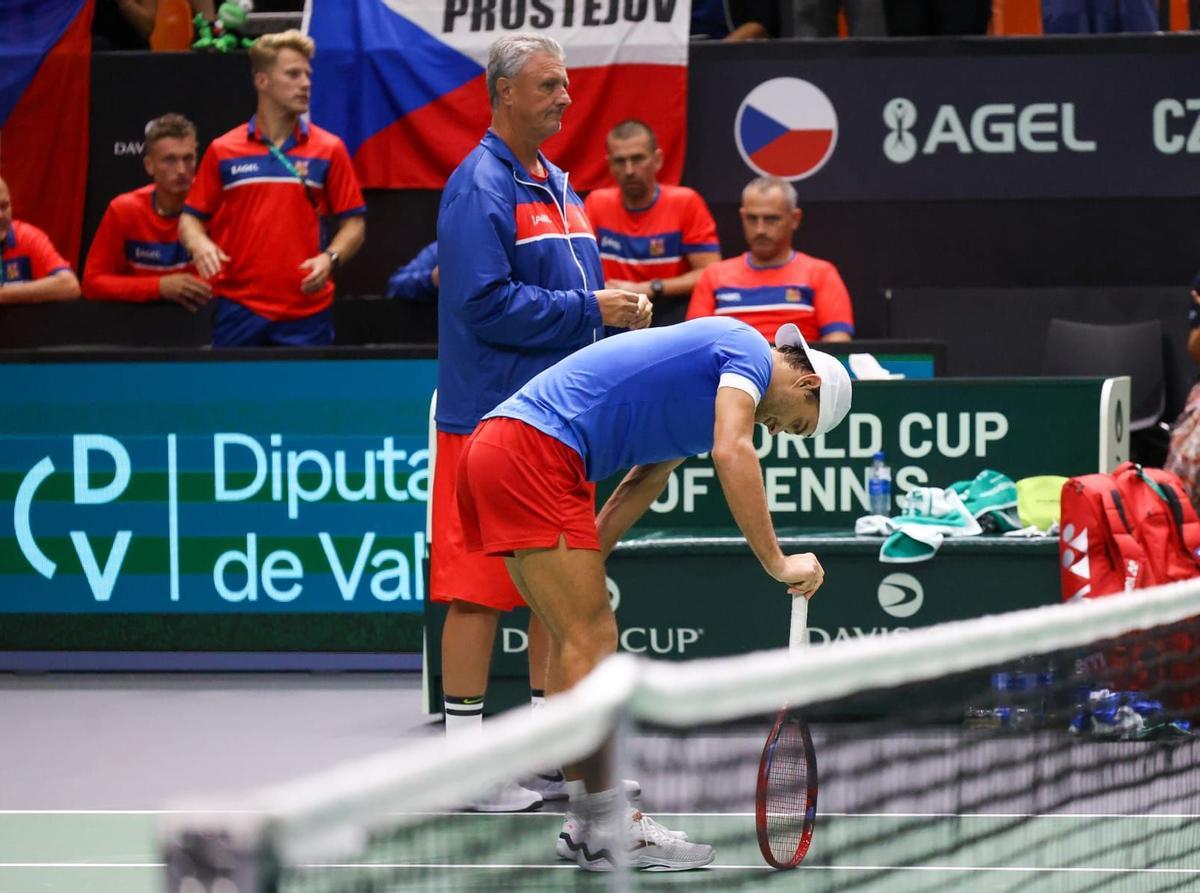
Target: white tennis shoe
(572, 833)
(507, 797)
(551, 785)
(647, 846)
(570, 837)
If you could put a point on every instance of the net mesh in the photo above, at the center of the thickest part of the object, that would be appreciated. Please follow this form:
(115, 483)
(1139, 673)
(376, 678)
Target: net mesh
(1041, 750)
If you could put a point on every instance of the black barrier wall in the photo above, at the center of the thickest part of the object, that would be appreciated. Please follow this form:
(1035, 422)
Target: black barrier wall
(1051, 163)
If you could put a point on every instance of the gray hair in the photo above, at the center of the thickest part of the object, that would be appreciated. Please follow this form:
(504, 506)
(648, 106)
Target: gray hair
(766, 184)
(508, 55)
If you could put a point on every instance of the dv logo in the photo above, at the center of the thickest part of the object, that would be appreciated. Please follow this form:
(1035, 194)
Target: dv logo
(86, 492)
(901, 595)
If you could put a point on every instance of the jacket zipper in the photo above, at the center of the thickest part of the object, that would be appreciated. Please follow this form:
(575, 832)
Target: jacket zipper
(566, 226)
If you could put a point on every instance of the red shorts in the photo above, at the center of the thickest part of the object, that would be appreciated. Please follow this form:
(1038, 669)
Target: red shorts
(455, 573)
(521, 489)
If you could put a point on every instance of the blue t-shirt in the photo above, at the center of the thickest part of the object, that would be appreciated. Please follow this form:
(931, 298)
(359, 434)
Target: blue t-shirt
(643, 397)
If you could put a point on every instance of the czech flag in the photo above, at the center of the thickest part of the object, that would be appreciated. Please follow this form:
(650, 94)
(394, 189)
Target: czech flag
(402, 81)
(45, 87)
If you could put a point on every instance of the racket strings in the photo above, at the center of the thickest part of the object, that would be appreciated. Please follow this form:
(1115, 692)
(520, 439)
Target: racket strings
(787, 792)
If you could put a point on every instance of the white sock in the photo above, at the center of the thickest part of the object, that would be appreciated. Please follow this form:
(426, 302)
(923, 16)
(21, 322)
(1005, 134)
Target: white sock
(464, 716)
(537, 698)
(603, 805)
(577, 796)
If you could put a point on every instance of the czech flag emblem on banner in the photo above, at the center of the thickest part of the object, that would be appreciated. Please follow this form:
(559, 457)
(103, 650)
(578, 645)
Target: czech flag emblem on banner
(402, 81)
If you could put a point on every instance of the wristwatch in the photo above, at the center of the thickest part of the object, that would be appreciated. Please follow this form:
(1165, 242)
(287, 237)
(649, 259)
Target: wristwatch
(334, 260)
(656, 288)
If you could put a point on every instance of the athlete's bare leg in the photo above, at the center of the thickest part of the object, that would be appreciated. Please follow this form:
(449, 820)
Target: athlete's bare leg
(566, 589)
(467, 638)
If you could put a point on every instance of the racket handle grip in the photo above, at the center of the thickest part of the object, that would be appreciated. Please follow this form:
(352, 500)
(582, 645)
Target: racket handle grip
(799, 631)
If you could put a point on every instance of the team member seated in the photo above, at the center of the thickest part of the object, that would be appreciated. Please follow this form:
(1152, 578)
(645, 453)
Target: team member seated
(772, 283)
(31, 269)
(654, 238)
(136, 254)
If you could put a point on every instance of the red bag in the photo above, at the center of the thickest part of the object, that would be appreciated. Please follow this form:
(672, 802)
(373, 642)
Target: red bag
(1126, 530)
(1129, 530)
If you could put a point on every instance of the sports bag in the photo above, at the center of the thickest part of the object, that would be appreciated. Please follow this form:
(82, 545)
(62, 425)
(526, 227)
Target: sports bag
(1127, 530)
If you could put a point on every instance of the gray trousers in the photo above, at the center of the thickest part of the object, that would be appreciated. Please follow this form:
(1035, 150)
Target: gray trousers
(818, 18)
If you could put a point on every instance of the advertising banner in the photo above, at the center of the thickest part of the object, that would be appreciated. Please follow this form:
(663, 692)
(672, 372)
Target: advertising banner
(961, 124)
(685, 585)
(932, 432)
(681, 602)
(221, 487)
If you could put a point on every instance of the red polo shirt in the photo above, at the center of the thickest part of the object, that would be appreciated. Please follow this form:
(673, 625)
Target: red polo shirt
(27, 254)
(806, 290)
(133, 248)
(266, 220)
(651, 242)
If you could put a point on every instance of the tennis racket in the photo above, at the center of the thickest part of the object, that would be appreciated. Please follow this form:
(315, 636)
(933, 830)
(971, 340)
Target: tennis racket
(785, 807)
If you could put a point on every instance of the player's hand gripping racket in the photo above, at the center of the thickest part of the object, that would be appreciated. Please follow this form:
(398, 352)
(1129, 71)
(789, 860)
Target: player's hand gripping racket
(785, 807)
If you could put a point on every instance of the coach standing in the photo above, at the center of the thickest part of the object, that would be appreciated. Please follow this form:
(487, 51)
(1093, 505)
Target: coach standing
(521, 288)
(252, 221)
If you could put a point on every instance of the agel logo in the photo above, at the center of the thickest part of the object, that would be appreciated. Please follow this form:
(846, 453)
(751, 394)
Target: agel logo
(996, 128)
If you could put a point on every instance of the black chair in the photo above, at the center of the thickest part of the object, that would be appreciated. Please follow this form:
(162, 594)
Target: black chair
(1133, 349)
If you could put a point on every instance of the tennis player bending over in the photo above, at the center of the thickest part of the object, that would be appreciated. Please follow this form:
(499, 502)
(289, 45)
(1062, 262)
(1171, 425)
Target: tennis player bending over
(645, 401)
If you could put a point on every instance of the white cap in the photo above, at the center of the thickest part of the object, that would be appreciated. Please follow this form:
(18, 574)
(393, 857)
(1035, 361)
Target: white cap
(835, 380)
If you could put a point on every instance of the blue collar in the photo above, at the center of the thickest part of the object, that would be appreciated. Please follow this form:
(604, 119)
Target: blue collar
(644, 208)
(299, 135)
(753, 266)
(10, 241)
(154, 207)
(494, 144)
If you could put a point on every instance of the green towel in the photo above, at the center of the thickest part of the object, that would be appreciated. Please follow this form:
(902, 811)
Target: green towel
(991, 498)
(930, 515)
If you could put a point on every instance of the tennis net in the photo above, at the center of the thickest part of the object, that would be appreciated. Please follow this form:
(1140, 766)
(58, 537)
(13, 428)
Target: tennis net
(1045, 749)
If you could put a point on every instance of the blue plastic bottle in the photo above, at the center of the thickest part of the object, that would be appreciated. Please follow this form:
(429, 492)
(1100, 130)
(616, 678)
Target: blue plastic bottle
(879, 486)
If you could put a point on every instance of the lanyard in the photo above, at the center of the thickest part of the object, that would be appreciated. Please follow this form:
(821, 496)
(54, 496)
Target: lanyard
(291, 169)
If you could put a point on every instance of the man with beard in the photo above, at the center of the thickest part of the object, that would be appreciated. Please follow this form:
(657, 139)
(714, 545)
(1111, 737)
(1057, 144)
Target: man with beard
(773, 284)
(654, 238)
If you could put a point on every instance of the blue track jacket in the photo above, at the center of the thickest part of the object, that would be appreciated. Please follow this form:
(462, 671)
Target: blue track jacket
(413, 281)
(519, 266)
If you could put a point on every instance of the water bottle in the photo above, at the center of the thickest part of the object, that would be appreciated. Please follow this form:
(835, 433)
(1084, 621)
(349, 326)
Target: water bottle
(879, 486)
(1024, 693)
(172, 26)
